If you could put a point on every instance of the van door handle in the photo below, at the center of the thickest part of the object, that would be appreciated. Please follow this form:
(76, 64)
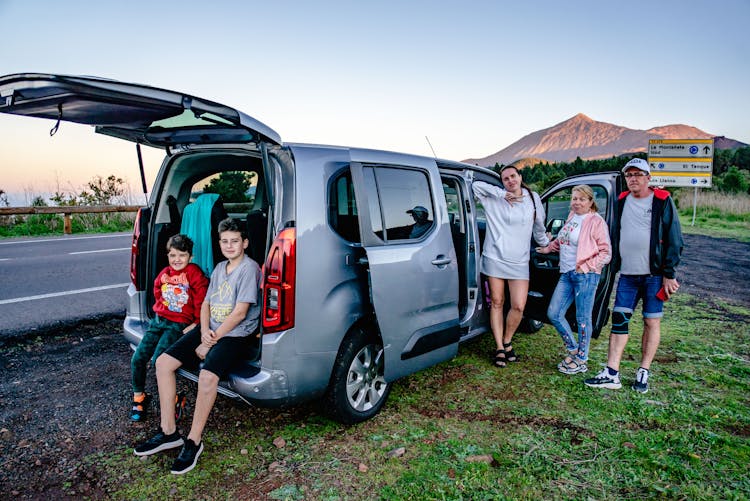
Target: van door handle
(441, 260)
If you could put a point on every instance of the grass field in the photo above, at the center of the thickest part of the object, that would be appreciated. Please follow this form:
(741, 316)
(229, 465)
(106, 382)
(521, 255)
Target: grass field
(465, 430)
(716, 214)
(716, 223)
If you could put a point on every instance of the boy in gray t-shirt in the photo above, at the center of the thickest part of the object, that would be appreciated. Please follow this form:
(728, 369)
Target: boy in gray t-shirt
(229, 319)
(227, 288)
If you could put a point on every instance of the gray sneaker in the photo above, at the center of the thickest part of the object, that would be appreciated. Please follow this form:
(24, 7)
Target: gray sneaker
(641, 381)
(604, 380)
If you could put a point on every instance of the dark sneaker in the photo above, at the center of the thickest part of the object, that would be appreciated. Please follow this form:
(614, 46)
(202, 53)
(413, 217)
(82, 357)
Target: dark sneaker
(140, 408)
(159, 442)
(641, 381)
(188, 457)
(604, 380)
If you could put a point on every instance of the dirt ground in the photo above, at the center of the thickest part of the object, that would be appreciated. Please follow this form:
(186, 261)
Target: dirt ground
(66, 397)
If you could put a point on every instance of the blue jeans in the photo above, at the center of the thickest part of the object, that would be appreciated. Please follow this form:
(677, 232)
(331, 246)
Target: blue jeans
(581, 288)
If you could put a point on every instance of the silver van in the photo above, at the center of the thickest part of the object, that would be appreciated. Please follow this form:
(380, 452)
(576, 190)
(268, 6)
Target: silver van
(370, 257)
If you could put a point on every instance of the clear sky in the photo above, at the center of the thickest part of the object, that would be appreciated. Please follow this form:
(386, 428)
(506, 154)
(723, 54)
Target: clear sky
(473, 76)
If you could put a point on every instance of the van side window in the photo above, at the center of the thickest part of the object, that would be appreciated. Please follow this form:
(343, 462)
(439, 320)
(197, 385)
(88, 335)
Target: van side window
(557, 206)
(400, 203)
(342, 208)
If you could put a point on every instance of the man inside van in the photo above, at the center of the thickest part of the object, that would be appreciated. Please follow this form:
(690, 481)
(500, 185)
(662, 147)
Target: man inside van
(421, 221)
(229, 319)
(648, 239)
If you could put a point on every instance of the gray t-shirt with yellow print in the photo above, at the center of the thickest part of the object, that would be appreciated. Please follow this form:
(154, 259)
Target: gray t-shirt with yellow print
(242, 285)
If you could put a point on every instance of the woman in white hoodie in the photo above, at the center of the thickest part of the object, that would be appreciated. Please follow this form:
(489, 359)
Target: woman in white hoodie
(513, 214)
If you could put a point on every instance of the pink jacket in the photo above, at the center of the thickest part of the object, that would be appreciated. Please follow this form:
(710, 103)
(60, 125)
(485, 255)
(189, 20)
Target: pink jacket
(594, 247)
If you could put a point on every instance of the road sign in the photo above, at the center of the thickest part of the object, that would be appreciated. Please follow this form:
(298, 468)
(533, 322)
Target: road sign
(681, 162)
(677, 179)
(683, 148)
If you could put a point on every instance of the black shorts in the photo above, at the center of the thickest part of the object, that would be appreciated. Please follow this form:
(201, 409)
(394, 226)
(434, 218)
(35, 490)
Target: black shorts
(224, 356)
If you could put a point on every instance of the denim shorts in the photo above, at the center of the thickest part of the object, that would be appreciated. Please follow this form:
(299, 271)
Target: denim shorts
(632, 288)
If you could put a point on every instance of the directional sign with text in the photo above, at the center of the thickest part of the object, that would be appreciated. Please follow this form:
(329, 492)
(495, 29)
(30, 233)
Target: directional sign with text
(683, 148)
(681, 162)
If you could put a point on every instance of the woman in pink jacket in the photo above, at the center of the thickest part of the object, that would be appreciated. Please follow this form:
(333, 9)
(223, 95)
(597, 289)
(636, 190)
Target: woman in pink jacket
(584, 246)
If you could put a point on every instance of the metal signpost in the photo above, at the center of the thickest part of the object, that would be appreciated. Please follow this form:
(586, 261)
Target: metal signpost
(682, 162)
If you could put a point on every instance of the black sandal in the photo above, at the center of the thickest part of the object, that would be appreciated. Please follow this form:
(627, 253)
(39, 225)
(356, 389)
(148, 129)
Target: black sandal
(499, 360)
(510, 355)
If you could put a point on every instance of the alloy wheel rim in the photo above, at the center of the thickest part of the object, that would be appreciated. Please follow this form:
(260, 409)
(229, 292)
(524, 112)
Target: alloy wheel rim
(365, 384)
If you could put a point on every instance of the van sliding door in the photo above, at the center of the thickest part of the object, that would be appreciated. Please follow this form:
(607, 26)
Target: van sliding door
(412, 264)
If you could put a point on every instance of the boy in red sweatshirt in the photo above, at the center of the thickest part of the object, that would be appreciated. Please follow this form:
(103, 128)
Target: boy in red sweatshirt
(179, 290)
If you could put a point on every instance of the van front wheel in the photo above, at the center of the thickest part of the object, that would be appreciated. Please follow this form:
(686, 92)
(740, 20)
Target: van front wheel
(358, 388)
(529, 325)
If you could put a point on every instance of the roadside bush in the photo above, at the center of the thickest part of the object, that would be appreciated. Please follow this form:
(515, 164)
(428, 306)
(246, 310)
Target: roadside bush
(734, 181)
(99, 191)
(53, 224)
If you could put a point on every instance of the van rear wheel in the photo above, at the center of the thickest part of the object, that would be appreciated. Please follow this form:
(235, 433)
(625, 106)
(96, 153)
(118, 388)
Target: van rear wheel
(358, 388)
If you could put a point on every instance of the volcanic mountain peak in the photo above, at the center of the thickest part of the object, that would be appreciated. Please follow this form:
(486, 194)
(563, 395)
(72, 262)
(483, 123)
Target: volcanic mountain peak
(581, 136)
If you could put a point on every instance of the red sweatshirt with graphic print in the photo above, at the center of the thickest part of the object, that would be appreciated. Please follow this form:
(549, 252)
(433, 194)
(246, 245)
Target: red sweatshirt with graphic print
(179, 294)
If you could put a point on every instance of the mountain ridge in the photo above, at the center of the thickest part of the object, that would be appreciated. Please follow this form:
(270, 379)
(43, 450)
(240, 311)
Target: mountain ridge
(582, 136)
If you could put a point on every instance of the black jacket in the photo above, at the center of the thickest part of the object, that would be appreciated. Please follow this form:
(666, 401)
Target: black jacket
(666, 234)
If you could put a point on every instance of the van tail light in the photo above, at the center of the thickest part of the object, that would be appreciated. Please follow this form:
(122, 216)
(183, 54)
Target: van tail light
(135, 249)
(279, 273)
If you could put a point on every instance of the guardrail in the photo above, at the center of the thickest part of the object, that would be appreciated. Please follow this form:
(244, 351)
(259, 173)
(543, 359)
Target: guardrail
(66, 211)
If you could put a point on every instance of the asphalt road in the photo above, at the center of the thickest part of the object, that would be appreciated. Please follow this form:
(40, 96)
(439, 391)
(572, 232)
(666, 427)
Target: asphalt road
(47, 282)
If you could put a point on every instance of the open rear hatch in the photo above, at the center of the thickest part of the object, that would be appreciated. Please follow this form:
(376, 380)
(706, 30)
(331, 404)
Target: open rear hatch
(138, 113)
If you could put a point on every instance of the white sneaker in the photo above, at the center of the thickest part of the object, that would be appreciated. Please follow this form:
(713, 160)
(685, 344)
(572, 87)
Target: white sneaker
(604, 380)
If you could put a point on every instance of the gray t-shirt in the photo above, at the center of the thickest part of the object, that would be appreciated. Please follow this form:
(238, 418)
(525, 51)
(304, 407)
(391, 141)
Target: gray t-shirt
(226, 290)
(635, 235)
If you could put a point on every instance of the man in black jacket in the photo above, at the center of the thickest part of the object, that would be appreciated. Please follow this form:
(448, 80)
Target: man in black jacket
(648, 241)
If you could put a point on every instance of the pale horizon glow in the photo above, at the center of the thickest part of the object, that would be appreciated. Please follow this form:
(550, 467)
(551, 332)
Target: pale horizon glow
(473, 77)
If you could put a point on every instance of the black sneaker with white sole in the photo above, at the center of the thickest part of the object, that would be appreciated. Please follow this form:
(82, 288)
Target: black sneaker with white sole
(188, 457)
(159, 442)
(604, 380)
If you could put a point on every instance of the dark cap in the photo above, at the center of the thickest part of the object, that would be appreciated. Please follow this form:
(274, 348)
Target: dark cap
(417, 210)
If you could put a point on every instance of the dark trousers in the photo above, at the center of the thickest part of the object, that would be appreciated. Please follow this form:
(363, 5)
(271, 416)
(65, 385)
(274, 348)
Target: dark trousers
(159, 336)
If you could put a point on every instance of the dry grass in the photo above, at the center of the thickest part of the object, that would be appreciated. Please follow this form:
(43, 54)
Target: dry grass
(737, 204)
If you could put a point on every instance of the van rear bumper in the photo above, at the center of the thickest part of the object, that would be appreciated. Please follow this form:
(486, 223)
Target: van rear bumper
(262, 389)
(133, 328)
(253, 384)
(136, 316)
(265, 389)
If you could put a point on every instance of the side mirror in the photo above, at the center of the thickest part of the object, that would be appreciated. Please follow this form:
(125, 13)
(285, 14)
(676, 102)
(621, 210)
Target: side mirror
(554, 226)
